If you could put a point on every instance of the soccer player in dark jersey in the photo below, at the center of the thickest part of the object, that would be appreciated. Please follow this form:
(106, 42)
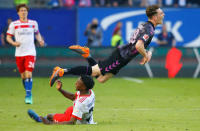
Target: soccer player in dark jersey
(121, 56)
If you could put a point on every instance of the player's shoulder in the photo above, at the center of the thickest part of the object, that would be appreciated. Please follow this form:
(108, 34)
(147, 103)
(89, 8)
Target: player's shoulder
(149, 28)
(92, 92)
(15, 22)
(32, 21)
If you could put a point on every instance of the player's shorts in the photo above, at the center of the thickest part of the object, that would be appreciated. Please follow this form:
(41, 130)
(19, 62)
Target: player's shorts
(64, 117)
(25, 63)
(113, 63)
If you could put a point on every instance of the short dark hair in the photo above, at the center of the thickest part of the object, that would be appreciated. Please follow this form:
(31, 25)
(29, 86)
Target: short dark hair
(88, 81)
(20, 6)
(151, 10)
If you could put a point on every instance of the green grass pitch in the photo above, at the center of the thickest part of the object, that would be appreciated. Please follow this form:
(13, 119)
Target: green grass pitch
(121, 105)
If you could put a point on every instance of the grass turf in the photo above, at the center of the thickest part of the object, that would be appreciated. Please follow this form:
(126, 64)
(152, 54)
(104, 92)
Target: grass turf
(121, 105)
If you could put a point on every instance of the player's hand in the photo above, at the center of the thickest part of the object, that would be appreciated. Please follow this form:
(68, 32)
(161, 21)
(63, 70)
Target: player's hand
(45, 121)
(16, 44)
(41, 43)
(59, 84)
(146, 59)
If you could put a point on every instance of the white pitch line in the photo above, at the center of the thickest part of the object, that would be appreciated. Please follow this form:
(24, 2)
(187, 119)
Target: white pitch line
(133, 79)
(150, 109)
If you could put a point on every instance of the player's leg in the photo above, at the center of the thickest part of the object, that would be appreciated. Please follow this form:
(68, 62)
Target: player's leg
(29, 67)
(23, 78)
(104, 78)
(85, 52)
(79, 70)
(34, 115)
(64, 117)
(21, 68)
(50, 117)
(28, 86)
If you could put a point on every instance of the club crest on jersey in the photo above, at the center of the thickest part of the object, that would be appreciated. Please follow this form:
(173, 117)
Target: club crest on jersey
(145, 37)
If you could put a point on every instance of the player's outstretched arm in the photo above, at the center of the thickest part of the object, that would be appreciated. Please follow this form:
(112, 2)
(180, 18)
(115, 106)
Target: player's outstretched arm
(140, 48)
(39, 39)
(65, 93)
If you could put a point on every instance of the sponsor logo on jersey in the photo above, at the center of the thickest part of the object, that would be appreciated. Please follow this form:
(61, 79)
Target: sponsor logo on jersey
(145, 37)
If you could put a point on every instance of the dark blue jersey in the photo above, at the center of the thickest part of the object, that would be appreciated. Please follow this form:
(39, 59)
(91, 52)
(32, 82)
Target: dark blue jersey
(144, 32)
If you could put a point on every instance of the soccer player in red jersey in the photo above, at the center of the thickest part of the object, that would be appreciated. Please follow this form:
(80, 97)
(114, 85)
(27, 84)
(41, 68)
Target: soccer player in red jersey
(82, 110)
(24, 31)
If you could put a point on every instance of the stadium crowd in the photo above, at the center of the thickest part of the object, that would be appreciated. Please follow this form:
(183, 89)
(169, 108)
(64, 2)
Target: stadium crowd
(99, 3)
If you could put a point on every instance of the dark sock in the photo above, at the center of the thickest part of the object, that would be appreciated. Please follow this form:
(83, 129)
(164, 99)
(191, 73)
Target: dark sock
(91, 61)
(79, 70)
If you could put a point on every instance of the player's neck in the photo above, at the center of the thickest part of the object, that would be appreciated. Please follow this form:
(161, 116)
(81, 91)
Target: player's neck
(23, 19)
(85, 92)
(153, 22)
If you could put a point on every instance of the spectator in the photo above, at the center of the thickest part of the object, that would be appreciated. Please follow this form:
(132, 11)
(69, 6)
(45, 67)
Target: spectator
(4, 42)
(180, 3)
(85, 3)
(68, 3)
(39, 3)
(193, 3)
(145, 3)
(117, 38)
(130, 3)
(168, 3)
(54, 3)
(117, 27)
(17, 2)
(117, 35)
(102, 3)
(94, 34)
(166, 38)
(117, 3)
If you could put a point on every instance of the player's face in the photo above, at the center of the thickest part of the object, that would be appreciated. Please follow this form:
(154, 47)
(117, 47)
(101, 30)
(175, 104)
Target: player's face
(23, 12)
(159, 16)
(80, 85)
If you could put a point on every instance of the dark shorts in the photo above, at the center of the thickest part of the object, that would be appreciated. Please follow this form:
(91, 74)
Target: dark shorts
(113, 63)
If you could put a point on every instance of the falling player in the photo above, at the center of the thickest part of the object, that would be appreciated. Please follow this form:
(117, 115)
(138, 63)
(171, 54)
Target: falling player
(121, 56)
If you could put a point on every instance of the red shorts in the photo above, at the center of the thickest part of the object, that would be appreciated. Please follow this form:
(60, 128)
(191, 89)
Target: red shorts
(64, 117)
(25, 63)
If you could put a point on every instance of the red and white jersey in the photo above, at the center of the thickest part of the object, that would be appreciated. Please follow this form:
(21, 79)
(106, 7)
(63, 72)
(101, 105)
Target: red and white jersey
(83, 108)
(24, 34)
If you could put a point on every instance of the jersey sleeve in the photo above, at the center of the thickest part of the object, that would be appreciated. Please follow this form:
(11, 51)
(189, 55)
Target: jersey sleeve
(36, 29)
(77, 111)
(11, 30)
(144, 36)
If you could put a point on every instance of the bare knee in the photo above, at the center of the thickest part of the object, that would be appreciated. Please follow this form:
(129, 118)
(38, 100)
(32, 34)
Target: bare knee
(101, 80)
(96, 70)
(50, 117)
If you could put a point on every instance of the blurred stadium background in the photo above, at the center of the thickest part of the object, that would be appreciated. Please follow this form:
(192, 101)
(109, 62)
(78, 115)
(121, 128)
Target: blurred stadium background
(142, 104)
